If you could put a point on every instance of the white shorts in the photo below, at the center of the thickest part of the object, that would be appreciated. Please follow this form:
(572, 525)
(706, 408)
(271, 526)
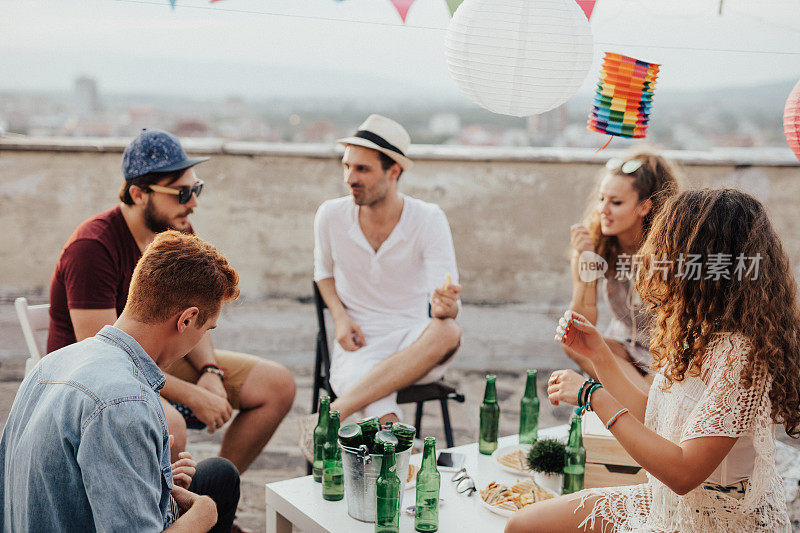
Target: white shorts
(349, 367)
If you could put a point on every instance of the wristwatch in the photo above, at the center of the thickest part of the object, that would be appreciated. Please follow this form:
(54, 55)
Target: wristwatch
(213, 369)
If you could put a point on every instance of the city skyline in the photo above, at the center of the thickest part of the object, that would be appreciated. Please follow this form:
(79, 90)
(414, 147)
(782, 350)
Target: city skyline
(279, 49)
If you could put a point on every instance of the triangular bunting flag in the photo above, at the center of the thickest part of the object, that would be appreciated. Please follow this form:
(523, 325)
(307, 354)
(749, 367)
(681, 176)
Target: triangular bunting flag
(587, 6)
(452, 5)
(172, 3)
(402, 7)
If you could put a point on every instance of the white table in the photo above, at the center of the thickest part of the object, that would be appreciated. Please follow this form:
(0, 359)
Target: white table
(298, 502)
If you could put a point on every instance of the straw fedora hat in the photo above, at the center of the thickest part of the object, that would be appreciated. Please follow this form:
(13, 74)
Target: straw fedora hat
(384, 135)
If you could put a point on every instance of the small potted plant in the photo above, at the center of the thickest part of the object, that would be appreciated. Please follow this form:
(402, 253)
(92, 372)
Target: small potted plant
(546, 459)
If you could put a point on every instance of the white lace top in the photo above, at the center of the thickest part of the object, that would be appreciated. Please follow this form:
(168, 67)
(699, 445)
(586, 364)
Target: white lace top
(713, 404)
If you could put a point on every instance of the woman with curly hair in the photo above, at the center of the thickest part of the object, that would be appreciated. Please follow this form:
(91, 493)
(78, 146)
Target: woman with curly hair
(727, 351)
(629, 196)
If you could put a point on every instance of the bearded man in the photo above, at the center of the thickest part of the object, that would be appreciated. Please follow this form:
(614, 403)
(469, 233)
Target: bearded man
(90, 285)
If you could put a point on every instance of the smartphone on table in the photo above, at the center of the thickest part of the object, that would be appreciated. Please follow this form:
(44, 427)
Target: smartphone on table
(449, 461)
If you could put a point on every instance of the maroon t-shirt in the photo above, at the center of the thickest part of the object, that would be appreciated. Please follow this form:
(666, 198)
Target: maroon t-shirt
(93, 272)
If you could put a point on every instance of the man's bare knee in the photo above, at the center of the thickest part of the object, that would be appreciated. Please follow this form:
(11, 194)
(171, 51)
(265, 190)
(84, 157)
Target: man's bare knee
(286, 389)
(391, 417)
(268, 383)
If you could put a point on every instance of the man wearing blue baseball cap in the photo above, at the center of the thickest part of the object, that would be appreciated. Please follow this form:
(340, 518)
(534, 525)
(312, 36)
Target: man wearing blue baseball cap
(89, 289)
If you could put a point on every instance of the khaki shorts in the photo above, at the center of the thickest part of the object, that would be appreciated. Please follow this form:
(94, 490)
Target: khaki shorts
(236, 366)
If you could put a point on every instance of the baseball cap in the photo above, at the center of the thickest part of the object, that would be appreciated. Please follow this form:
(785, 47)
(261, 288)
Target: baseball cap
(155, 151)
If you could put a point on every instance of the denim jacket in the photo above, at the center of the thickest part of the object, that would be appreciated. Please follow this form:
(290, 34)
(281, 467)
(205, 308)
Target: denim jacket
(86, 446)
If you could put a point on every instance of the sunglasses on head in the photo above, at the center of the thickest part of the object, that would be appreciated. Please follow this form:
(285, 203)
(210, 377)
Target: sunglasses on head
(183, 193)
(627, 167)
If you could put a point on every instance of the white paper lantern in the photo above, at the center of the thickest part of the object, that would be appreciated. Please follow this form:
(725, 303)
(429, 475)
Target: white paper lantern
(519, 57)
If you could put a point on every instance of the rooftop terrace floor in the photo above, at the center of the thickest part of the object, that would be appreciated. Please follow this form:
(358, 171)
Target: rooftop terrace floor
(505, 340)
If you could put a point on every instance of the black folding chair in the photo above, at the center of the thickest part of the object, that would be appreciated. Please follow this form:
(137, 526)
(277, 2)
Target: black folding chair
(418, 394)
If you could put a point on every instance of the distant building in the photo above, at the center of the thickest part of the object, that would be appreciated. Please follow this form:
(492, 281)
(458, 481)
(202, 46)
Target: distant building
(234, 107)
(192, 127)
(444, 124)
(321, 131)
(477, 135)
(87, 99)
(143, 116)
(547, 129)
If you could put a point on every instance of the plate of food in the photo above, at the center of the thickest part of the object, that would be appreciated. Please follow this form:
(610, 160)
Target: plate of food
(506, 500)
(513, 459)
(411, 479)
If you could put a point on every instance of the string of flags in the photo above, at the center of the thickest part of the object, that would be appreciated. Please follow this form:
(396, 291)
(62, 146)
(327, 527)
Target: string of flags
(505, 78)
(402, 6)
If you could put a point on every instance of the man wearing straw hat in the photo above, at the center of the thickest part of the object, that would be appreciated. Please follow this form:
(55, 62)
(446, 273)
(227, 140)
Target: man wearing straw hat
(385, 266)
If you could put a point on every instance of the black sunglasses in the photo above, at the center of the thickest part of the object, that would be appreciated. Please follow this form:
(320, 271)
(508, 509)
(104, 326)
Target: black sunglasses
(464, 483)
(183, 193)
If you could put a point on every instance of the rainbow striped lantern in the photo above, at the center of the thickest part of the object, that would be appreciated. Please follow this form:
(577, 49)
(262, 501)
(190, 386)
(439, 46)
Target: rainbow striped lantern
(624, 97)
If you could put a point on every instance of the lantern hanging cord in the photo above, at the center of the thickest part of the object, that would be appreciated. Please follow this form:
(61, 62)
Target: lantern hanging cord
(610, 138)
(436, 28)
(287, 15)
(697, 49)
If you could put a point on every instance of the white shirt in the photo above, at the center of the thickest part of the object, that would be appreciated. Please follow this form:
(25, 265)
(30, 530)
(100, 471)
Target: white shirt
(390, 288)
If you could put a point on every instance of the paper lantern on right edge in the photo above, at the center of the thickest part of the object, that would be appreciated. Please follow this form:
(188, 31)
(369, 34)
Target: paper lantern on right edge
(519, 57)
(791, 120)
(624, 97)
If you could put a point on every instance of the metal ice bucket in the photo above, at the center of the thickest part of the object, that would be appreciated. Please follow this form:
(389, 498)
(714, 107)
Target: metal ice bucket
(361, 471)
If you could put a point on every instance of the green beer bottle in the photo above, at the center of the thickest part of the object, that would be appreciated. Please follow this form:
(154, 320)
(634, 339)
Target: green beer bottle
(405, 436)
(574, 459)
(369, 426)
(490, 418)
(529, 412)
(426, 516)
(320, 436)
(332, 471)
(383, 438)
(350, 436)
(387, 518)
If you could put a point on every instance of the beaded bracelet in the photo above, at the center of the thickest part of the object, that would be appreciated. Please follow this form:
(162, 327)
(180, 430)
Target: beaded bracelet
(580, 400)
(589, 395)
(213, 369)
(614, 418)
(587, 390)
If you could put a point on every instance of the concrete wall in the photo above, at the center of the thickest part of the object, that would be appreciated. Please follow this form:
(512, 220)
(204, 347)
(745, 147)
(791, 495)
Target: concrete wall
(509, 209)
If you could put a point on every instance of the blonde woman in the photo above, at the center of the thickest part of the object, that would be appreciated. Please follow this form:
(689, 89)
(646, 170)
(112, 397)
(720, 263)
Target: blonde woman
(629, 195)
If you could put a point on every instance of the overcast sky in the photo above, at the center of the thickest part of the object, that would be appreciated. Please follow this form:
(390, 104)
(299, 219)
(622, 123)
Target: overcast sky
(234, 47)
